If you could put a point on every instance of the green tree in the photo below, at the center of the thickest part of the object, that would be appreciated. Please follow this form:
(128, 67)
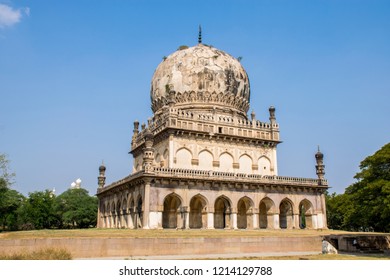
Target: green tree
(338, 208)
(38, 211)
(77, 209)
(6, 177)
(370, 195)
(10, 200)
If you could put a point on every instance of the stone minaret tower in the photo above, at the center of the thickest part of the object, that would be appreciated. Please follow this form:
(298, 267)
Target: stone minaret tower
(148, 152)
(102, 176)
(320, 167)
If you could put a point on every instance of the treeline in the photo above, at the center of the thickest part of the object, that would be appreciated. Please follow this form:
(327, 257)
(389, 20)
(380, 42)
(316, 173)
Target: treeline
(74, 208)
(365, 205)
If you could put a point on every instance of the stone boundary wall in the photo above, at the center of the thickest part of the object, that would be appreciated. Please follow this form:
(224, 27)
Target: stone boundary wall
(128, 247)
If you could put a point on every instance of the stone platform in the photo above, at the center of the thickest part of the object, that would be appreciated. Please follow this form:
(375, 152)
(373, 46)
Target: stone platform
(121, 247)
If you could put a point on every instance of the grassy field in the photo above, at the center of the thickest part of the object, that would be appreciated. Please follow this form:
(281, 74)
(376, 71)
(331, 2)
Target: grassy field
(194, 233)
(41, 254)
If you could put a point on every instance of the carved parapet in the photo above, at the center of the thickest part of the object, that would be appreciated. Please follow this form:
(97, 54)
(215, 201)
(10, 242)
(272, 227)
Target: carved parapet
(232, 176)
(203, 100)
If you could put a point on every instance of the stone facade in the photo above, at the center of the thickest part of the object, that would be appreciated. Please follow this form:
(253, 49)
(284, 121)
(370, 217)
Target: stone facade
(201, 162)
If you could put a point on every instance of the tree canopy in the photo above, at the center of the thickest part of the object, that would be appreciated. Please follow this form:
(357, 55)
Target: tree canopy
(73, 208)
(77, 209)
(365, 205)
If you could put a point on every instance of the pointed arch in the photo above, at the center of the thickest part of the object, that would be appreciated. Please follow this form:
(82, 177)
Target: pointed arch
(264, 164)
(222, 211)
(226, 162)
(205, 160)
(171, 212)
(198, 211)
(305, 214)
(103, 213)
(245, 162)
(139, 212)
(244, 213)
(108, 215)
(286, 214)
(113, 215)
(132, 212)
(183, 158)
(266, 210)
(157, 159)
(165, 158)
(123, 213)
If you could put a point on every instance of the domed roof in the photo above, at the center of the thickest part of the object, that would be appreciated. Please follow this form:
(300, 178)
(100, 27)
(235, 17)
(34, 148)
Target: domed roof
(201, 78)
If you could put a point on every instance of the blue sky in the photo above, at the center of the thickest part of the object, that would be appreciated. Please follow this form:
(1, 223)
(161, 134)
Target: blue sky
(74, 75)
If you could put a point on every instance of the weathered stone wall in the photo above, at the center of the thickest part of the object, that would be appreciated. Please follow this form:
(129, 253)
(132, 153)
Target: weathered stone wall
(127, 247)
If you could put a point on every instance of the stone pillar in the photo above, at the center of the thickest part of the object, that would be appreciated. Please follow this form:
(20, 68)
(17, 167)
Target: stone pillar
(130, 220)
(276, 221)
(234, 220)
(155, 220)
(255, 216)
(146, 204)
(295, 221)
(314, 221)
(227, 218)
(270, 221)
(100, 222)
(324, 224)
(186, 217)
(210, 220)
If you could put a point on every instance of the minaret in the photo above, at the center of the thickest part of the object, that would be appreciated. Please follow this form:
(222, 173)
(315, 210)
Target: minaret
(135, 133)
(320, 167)
(102, 176)
(272, 117)
(148, 158)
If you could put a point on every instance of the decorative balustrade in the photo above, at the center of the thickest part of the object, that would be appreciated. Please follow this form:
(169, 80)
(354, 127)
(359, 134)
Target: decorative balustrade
(189, 173)
(177, 118)
(218, 175)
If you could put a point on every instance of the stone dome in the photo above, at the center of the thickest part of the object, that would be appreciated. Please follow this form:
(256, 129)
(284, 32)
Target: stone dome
(200, 78)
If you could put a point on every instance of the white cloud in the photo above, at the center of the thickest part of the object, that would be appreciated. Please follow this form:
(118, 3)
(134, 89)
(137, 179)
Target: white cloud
(10, 16)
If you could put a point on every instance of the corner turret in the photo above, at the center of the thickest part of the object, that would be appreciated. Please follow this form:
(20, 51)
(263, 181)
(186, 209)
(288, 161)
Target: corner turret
(320, 167)
(102, 176)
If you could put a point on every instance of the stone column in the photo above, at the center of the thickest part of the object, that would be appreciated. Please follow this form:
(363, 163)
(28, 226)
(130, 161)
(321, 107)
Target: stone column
(130, 220)
(100, 223)
(186, 217)
(295, 221)
(146, 204)
(155, 220)
(227, 218)
(234, 219)
(255, 217)
(314, 221)
(323, 210)
(210, 220)
(270, 221)
(276, 221)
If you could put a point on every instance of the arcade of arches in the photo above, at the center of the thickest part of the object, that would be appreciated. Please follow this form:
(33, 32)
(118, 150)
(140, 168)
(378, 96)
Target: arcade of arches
(222, 212)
